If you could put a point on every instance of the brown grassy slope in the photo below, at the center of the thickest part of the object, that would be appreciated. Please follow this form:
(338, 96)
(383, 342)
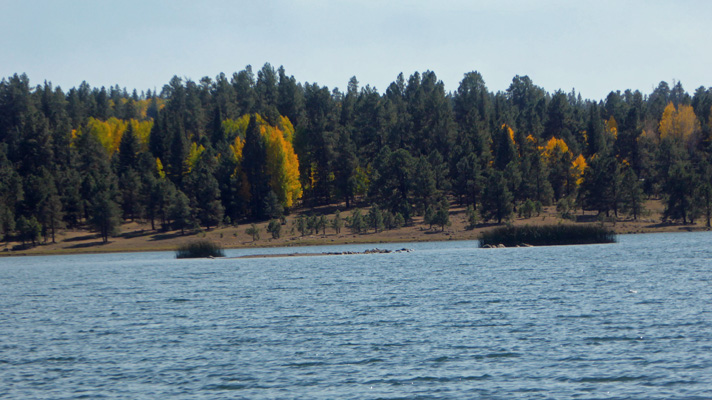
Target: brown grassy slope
(139, 236)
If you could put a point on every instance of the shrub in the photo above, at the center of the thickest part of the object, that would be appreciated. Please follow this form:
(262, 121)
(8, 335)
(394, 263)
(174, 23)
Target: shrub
(275, 228)
(253, 231)
(199, 249)
(357, 223)
(547, 235)
(337, 222)
(472, 218)
(527, 209)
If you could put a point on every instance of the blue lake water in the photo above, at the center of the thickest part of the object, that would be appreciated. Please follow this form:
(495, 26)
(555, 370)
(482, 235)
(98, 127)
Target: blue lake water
(631, 320)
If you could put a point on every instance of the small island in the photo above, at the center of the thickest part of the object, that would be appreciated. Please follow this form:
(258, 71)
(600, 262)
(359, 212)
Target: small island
(200, 249)
(545, 235)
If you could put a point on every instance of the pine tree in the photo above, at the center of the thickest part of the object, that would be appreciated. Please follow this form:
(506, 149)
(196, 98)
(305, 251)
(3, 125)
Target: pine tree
(254, 164)
(274, 228)
(181, 213)
(337, 223)
(205, 191)
(496, 199)
(356, 223)
(104, 215)
(253, 231)
(424, 187)
(429, 217)
(632, 200)
(375, 218)
(442, 215)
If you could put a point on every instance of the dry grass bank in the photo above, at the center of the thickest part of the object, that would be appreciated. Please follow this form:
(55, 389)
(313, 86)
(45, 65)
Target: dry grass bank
(139, 237)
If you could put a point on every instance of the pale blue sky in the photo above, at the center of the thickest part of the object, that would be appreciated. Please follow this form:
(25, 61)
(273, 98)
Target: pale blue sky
(592, 46)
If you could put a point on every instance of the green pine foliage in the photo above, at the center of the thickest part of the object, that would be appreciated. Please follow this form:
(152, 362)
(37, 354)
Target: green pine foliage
(197, 152)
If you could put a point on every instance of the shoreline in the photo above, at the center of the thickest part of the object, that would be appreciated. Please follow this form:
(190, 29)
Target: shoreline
(138, 237)
(309, 241)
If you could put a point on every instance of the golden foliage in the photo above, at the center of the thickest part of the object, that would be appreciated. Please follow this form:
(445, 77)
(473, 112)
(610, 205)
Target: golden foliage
(681, 123)
(159, 168)
(282, 165)
(287, 128)
(612, 127)
(510, 131)
(142, 106)
(194, 155)
(666, 125)
(554, 148)
(577, 168)
(282, 162)
(237, 145)
(109, 132)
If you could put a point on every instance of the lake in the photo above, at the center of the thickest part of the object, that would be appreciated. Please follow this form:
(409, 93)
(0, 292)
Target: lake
(631, 320)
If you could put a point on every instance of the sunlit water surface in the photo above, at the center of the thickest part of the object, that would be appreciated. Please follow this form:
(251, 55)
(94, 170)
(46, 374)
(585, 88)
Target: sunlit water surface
(446, 321)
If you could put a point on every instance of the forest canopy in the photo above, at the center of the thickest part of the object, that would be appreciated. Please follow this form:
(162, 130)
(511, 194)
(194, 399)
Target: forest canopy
(254, 146)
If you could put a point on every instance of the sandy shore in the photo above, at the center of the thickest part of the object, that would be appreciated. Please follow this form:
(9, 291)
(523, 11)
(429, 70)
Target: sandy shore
(139, 237)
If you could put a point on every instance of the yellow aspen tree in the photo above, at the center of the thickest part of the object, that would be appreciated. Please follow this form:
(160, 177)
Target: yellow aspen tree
(612, 127)
(194, 155)
(117, 127)
(577, 168)
(142, 130)
(554, 148)
(109, 132)
(236, 147)
(282, 165)
(680, 124)
(159, 168)
(287, 127)
(665, 128)
(281, 159)
(685, 124)
(100, 130)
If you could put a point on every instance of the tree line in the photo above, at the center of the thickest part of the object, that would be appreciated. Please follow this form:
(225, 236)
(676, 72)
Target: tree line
(252, 147)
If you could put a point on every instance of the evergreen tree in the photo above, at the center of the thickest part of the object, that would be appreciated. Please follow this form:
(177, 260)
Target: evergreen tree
(205, 191)
(469, 181)
(321, 224)
(337, 223)
(52, 212)
(130, 186)
(442, 215)
(253, 231)
(128, 150)
(301, 223)
(29, 230)
(429, 217)
(601, 187)
(472, 218)
(11, 192)
(104, 215)
(394, 184)
(596, 138)
(181, 213)
(356, 223)
(679, 194)
(632, 200)
(254, 165)
(424, 186)
(375, 219)
(496, 199)
(274, 228)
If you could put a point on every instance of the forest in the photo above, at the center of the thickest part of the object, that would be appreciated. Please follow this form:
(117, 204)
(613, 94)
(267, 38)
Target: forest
(258, 146)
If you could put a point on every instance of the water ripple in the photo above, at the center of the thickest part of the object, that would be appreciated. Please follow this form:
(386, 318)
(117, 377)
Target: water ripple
(446, 321)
